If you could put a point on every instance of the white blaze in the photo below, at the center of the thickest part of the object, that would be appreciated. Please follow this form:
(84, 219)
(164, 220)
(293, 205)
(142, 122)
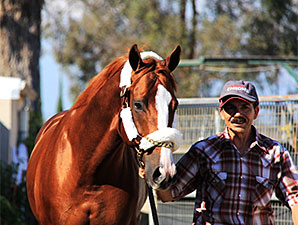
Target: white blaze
(162, 101)
(167, 164)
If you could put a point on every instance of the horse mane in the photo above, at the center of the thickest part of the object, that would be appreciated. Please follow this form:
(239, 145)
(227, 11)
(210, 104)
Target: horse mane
(98, 81)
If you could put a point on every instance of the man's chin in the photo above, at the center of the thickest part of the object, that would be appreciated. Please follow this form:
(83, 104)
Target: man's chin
(238, 129)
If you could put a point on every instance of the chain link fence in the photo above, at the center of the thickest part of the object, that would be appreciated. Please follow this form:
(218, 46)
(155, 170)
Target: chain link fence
(199, 118)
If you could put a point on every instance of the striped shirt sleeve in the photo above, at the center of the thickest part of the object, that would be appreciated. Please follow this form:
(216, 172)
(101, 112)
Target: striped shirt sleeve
(289, 179)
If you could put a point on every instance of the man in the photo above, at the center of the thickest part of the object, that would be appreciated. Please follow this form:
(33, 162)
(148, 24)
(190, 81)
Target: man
(235, 172)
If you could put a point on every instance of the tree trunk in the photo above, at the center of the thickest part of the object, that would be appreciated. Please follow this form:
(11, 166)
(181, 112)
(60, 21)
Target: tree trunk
(20, 33)
(20, 42)
(183, 29)
(192, 38)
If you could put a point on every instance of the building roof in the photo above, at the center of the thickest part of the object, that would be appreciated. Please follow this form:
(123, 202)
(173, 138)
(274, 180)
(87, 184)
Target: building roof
(11, 87)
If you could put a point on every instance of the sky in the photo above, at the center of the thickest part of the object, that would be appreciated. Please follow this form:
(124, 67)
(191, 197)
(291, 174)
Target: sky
(50, 70)
(50, 73)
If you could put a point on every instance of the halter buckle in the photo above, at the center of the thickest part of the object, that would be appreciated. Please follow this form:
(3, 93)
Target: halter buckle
(124, 94)
(140, 161)
(123, 91)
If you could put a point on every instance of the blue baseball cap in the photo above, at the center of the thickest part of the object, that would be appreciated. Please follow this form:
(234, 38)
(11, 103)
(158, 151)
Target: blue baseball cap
(243, 90)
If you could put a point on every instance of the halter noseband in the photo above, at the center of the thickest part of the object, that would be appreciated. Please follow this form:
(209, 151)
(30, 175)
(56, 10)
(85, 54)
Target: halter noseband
(166, 137)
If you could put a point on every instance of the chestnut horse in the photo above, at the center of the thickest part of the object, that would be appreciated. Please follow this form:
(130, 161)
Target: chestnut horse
(84, 167)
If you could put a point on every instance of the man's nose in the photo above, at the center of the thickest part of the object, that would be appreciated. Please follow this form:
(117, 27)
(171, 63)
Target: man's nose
(237, 111)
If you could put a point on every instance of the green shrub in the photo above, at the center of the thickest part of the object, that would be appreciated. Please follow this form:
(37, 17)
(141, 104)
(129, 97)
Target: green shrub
(14, 205)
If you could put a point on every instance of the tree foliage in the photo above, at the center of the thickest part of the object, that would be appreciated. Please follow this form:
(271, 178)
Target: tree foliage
(102, 30)
(268, 27)
(14, 203)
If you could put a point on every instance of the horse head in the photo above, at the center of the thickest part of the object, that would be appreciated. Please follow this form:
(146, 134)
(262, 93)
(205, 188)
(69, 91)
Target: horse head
(148, 110)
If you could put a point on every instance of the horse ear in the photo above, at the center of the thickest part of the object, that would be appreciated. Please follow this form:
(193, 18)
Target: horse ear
(174, 58)
(134, 57)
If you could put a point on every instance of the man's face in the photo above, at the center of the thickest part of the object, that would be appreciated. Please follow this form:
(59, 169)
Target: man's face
(239, 115)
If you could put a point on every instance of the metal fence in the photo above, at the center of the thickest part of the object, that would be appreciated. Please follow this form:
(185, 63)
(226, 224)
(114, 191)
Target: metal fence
(199, 118)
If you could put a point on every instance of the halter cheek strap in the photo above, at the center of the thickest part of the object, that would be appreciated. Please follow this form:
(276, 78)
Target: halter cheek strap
(125, 83)
(128, 124)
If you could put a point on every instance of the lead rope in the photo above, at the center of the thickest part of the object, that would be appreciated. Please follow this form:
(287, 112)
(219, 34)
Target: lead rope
(152, 205)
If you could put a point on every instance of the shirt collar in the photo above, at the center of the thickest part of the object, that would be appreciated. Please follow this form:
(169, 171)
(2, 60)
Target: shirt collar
(259, 142)
(225, 135)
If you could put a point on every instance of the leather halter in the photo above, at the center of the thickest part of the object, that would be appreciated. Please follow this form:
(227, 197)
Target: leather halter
(166, 137)
(135, 142)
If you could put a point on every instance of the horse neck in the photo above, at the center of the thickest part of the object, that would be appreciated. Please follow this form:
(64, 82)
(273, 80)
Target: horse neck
(97, 121)
(102, 147)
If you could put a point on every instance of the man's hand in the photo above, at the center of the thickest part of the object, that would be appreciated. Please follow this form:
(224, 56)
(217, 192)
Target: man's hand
(142, 173)
(161, 180)
(165, 195)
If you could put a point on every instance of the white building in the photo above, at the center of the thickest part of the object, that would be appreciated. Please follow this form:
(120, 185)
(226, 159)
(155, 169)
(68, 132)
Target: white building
(15, 99)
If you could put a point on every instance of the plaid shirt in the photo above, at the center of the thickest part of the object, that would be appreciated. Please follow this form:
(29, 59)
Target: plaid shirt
(234, 188)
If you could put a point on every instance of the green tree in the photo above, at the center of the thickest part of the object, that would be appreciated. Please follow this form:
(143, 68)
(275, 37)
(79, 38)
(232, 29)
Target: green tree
(106, 29)
(261, 28)
(60, 102)
(268, 27)
(273, 28)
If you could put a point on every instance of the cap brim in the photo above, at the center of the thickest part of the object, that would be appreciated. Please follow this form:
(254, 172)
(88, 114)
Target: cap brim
(222, 103)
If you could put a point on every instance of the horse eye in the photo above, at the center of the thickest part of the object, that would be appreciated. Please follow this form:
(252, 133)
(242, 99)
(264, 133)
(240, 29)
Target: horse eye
(138, 105)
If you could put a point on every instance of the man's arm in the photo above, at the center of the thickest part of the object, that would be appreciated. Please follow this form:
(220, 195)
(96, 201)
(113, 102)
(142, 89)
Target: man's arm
(295, 214)
(165, 195)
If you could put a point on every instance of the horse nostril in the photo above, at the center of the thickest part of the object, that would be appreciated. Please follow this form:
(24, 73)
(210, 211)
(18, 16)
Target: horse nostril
(156, 173)
(161, 181)
(157, 178)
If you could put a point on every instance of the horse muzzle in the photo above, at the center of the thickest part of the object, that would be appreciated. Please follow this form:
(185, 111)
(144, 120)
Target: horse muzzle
(158, 174)
(159, 164)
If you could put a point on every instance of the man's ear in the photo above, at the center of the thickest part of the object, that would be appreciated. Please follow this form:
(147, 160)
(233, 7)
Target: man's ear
(257, 110)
